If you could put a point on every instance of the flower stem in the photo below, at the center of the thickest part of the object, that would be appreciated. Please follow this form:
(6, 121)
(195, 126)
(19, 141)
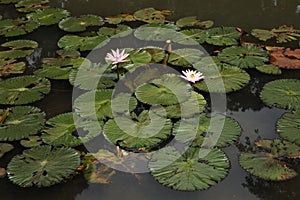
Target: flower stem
(169, 51)
(118, 72)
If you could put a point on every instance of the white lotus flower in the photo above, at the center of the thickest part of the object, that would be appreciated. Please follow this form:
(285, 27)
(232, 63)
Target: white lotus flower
(192, 76)
(117, 57)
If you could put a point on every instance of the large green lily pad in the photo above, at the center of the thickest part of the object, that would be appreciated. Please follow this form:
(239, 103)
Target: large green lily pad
(18, 49)
(20, 122)
(268, 163)
(23, 90)
(48, 16)
(283, 93)
(288, 127)
(16, 27)
(223, 36)
(43, 166)
(245, 56)
(188, 171)
(84, 43)
(185, 57)
(77, 24)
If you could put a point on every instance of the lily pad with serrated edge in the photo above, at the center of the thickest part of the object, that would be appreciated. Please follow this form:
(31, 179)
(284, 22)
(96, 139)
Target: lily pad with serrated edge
(223, 36)
(18, 49)
(27, 6)
(269, 69)
(222, 78)
(168, 90)
(120, 31)
(188, 171)
(245, 56)
(20, 122)
(78, 24)
(151, 15)
(288, 127)
(16, 27)
(4, 148)
(23, 89)
(48, 16)
(197, 35)
(43, 166)
(123, 103)
(84, 43)
(8, 67)
(143, 132)
(283, 93)
(267, 163)
(219, 131)
(185, 57)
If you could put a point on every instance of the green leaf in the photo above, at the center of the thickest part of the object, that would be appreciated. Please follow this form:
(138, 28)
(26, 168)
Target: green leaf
(193, 35)
(150, 15)
(245, 56)
(32, 141)
(283, 93)
(185, 57)
(187, 21)
(262, 34)
(23, 90)
(189, 171)
(48, 16)
(4, 148)
(144, 132)
(77, 24)
(18, 49)
(157, 54)
(267, 164)
(30, 5)
(269, 69)
(120, 31)
(8, 67)
(168, 90)
(16, 27)
(74, 42)
(20, 122)
(117, 19)
(140, 57)
(42, 166)
(288, 127)
(223, 36)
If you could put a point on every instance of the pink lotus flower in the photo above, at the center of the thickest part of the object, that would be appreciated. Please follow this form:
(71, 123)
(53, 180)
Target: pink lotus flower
(192, 76)
(117, 57)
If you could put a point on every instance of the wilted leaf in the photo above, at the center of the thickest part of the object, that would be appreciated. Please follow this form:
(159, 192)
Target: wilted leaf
(285, 58)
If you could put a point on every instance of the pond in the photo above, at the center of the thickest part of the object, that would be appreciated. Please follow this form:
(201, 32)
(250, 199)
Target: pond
(256, 119)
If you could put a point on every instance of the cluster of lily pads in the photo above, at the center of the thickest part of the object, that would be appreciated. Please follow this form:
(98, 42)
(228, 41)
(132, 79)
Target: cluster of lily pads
(51, 153)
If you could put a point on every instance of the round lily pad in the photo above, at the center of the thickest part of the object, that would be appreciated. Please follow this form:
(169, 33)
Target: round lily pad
(77, 24)
(20, 122)
(82, 43)
(23, 90)
(269, 69)
(283, 93)
(18, 49)
(168, 90)
(288, 127)
(189, 171)
(194, 34)
(48, 16)
(42, 166)
(223, 36)
(185, 57)
(157, 54)
(16, 27)
(11, 66)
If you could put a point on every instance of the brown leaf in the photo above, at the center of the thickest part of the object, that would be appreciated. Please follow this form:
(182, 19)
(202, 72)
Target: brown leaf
(292, 54)
(285, 58)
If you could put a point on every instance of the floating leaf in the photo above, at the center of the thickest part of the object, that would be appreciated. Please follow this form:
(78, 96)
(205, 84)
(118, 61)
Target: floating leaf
(187, 21)
(157, 54)
(48, 16)
(120, 18)
(18, 49)
(269, 69)
(262, 34)
(188, 171)
(30, 5)
(8, 67)
(139, 57)
(23, 90)
(16, 27)
(185, 57)
(119, 31)
(223, 36)
(168, 90)
(206, 24)
(217, 131)
(283, 93)
(287, 58)
(4, 148)
(194, 35)
(246, 56)
(144, 132)
(221, 78)
(267, 164)
(32, 141)
(77, 24)
(20, 122)
(150, 15)
(74, 42)
(42, 166)
(288, 127)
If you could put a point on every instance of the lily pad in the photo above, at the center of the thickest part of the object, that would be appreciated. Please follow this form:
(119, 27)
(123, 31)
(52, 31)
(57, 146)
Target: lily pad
(192, 21)
(267, 163)
(143, 132)
(18, 49)
(150, 15)
(223, 36)
(84, 43)
(16, 27)
(23, 90)
(185, 57)
(157, 54)
(195, 35)
(4, 148)
(189, 172)
(42, 166)
(269, 69)
(139, 57)
(8, 67)
(32, 141)
(221, 78)
(120, 31)
(20, 122)
(48, 16)
(168, 90)
(245, 56)
(288, 127)
(283, 93)
(117, 19)
(30, 5)
(77, 24)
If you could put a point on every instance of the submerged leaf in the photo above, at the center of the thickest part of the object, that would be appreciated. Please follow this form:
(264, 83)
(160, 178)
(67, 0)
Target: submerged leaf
(42, 166)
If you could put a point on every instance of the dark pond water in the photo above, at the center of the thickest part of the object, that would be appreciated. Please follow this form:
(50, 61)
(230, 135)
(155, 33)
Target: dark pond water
(245, 106)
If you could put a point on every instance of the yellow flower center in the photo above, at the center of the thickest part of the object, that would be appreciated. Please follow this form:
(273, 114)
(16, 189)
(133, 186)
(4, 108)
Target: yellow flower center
(192, 76)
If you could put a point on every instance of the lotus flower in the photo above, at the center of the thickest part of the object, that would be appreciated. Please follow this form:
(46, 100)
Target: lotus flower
(117, 57)
(192, 76)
